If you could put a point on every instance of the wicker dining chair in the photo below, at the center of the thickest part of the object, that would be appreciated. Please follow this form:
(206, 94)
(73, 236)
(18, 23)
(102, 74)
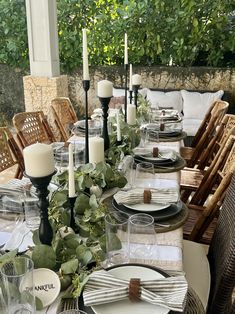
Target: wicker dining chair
(220, 259)
(32, 127)
(64, 116)
(10, 153)
(204, 208)
(205, 133)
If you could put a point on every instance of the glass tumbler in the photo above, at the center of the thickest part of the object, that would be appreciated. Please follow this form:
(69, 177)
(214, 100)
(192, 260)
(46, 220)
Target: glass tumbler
(144, 174)
(141, 238)
(18, 286)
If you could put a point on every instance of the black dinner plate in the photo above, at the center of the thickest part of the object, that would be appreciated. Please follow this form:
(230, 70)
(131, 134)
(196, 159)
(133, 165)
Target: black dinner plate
(157, 162)
(160, 215)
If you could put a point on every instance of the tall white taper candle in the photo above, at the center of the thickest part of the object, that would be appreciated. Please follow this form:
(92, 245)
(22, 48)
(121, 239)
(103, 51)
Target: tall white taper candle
(130, 82)
(85, 56)
(119, 137)
(125, 50)
(72, 192)
(39, 160)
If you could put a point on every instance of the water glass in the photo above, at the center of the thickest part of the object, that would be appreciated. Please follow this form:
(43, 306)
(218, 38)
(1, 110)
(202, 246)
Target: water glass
(125, 167)
(32, 212)
(116, 230)
(18, 286)
(141, 238)
(144, 173)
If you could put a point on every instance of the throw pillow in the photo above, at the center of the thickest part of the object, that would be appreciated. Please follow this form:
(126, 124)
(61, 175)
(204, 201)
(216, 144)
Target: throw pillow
(159, 99)
(196, 105)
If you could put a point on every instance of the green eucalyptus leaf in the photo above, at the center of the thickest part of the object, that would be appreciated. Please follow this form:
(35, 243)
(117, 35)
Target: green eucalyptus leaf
(69, 267)
(81, 203)
(36, 239)
(93, 201)
(7, 256)
(44, 256)
(39, 304)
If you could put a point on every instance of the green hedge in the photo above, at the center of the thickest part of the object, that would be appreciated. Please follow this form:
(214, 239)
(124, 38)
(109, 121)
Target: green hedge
(160, 32)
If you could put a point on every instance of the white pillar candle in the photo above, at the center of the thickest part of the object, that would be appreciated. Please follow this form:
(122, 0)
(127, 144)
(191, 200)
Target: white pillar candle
(130, 82)
(105, 89)
(136, 79)
(96, 149)
(119, 137)
(39, 160)
(125, 51)
(72, 192)
(131, 114)
(85, 56)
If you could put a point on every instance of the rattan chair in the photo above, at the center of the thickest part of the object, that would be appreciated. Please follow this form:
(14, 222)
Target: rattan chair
(205, 133)
(32, 127)
(10, 153)
(221, 260)
(64, 116)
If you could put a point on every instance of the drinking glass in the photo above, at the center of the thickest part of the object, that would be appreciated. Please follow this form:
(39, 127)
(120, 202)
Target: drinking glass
(141, 237)
(125, 167)
(144, 174)
(18, 287)
(32, 212)
(116, 230)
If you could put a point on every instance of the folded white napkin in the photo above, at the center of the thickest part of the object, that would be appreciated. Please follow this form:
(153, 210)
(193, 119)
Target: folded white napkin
(21, 238)
(103, 288)
(136, 196)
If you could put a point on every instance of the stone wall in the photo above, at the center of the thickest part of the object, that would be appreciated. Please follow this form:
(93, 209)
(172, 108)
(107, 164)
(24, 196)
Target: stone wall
(195, 78)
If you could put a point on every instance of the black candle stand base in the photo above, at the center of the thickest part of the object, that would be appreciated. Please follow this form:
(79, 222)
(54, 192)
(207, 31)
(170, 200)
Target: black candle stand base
(131, 97)
(86, 86)
(105, 107)
(72, 201)
(135, 89)
(41, 184)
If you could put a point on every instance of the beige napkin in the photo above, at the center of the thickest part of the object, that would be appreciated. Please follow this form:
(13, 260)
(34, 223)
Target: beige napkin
(103, 288)
(158, 196)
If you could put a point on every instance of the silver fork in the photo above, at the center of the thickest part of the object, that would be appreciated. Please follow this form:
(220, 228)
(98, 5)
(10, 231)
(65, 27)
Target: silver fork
(69, 304)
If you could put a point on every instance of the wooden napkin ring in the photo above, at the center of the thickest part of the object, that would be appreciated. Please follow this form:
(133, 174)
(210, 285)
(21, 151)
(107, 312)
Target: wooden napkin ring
(134, 289)
(147, 196)
(155, 151)
(162, 126)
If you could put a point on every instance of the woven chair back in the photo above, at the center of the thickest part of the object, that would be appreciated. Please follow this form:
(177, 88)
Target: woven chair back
(32, 127)
(64, 116)
(10, 153)
(222, 257)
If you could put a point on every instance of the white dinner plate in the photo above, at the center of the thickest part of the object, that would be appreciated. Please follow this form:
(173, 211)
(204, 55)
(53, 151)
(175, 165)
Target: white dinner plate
(127, 272)
(147, 207)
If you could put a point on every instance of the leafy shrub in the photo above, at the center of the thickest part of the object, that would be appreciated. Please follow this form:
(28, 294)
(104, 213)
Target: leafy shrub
(160, 32)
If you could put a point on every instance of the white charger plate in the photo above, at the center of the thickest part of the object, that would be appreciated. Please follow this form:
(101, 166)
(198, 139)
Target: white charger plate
(127, 272)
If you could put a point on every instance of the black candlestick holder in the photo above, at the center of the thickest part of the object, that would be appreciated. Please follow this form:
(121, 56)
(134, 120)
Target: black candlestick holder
(131, 97)
(135, 89)
(86, 86)
(41, 184)
(72, 219)
(125, 102)
(105, 107)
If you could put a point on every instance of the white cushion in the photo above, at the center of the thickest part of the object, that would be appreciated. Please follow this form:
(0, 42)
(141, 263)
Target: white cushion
(197, 269)
(190, 126)
(118, 92)
(196, 105)
(165, 99)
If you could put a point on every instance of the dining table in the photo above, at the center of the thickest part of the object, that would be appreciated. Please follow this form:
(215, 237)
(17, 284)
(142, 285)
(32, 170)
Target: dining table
(167, 249)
